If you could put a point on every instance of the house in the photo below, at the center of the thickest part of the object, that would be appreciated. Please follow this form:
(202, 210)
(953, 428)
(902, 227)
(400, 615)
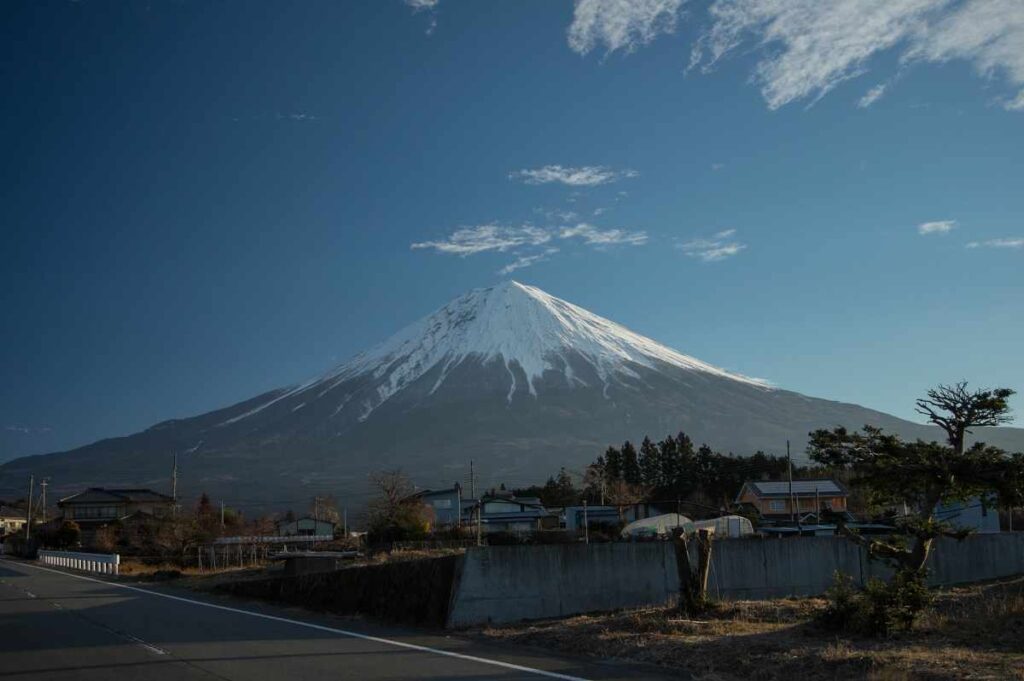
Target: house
(12, 521)
(780, 501)
(609, 516)
(970, 514)
(502, 512)
(446, 505)
(306, 526)
(97, 506)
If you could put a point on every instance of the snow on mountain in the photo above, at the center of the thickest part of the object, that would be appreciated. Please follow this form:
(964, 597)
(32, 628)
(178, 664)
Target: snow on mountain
(510, 377)
(511, 323)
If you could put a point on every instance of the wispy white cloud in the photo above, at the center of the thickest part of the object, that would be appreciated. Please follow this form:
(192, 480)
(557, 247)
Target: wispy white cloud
(1010, 242)
(482, 238)
(527, 260)
(530, 244)
(593, 236)
(620, 24)
(557, 215)
(717, 166)
(581, 176)
(297, 117)
(27, 430)
(936, 227)
(428, 6)
(808, 47)
(719, 247)
(872, 96)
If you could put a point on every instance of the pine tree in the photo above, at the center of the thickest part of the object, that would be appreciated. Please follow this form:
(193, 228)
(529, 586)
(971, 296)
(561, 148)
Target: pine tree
(668, 466)
(650, 464)
(630, 464)
(613, 464)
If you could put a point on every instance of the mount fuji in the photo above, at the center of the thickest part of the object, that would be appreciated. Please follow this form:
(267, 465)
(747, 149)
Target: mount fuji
(518, 380)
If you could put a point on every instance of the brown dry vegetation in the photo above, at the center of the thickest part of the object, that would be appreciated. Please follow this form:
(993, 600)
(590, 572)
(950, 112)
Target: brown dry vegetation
(972, 632)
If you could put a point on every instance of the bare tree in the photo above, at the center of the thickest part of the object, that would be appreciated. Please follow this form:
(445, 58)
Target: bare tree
(394, 511)
(621, 493)
(326, 509)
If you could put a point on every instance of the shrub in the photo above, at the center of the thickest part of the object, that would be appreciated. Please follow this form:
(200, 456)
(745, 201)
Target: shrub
(843, 604)
(880, 609)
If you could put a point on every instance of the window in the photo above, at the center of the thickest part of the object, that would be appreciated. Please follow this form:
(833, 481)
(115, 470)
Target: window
(442, 503)
(776, 505)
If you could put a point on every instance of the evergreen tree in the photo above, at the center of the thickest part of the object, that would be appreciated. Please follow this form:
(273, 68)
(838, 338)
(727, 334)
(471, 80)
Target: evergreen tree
(650, 464)
(630, 464)
(612, 464)
(204, 508)
(668, 467)
(559, 491)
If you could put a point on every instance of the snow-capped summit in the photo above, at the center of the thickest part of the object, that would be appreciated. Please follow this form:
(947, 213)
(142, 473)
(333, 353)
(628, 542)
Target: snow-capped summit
(515, 324)
(519, 327)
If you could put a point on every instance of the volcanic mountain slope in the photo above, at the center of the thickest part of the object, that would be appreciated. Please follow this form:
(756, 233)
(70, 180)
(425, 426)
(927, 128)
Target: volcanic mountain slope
(518, 380)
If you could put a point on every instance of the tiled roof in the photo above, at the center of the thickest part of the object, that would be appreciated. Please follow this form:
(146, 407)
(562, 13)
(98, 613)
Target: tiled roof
(100, 494)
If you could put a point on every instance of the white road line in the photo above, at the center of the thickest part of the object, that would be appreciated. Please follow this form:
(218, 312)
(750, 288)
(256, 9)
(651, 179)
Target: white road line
(148, 646)
(319, 627)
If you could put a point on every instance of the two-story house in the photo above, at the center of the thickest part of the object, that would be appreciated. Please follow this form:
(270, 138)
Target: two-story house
(446, 505)
(500, 511)
(780, 501)
(96, 506)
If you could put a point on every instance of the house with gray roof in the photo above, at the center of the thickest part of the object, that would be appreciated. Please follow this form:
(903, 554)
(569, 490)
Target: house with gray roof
(781, 500)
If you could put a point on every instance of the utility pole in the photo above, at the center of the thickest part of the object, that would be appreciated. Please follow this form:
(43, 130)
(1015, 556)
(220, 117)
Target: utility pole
(43, 483)
(28, 511)
(174, 484)
(479, 530)
(586, 524)
(792, 499)
(222, 515)
(479, 506)
(458, 506)
(817, 506)
(344, 521)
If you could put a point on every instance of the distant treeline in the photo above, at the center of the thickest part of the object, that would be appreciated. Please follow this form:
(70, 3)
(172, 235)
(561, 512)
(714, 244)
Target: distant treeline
(665, 471)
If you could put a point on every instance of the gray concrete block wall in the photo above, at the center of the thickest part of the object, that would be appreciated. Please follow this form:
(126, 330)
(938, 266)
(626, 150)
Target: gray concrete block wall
(502, 584)
(510, 583)
(979, 557)
(755, 568)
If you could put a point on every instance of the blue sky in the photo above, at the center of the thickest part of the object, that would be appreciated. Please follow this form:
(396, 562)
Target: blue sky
(205, 200)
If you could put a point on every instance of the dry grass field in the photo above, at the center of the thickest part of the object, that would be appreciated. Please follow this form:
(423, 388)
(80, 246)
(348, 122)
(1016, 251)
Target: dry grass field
(974, 632)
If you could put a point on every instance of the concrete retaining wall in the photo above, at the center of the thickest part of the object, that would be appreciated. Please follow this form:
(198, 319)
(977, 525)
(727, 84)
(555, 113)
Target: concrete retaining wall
(411, 592)
(510, 583)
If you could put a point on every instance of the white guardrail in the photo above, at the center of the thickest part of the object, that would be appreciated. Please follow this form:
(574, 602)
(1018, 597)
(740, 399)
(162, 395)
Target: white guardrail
(104, 563)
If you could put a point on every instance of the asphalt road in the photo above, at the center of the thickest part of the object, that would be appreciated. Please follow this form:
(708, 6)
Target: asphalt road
(65, 625)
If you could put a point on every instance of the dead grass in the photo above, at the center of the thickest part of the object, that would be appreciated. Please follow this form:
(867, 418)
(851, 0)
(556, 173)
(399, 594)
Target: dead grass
(974, 632)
